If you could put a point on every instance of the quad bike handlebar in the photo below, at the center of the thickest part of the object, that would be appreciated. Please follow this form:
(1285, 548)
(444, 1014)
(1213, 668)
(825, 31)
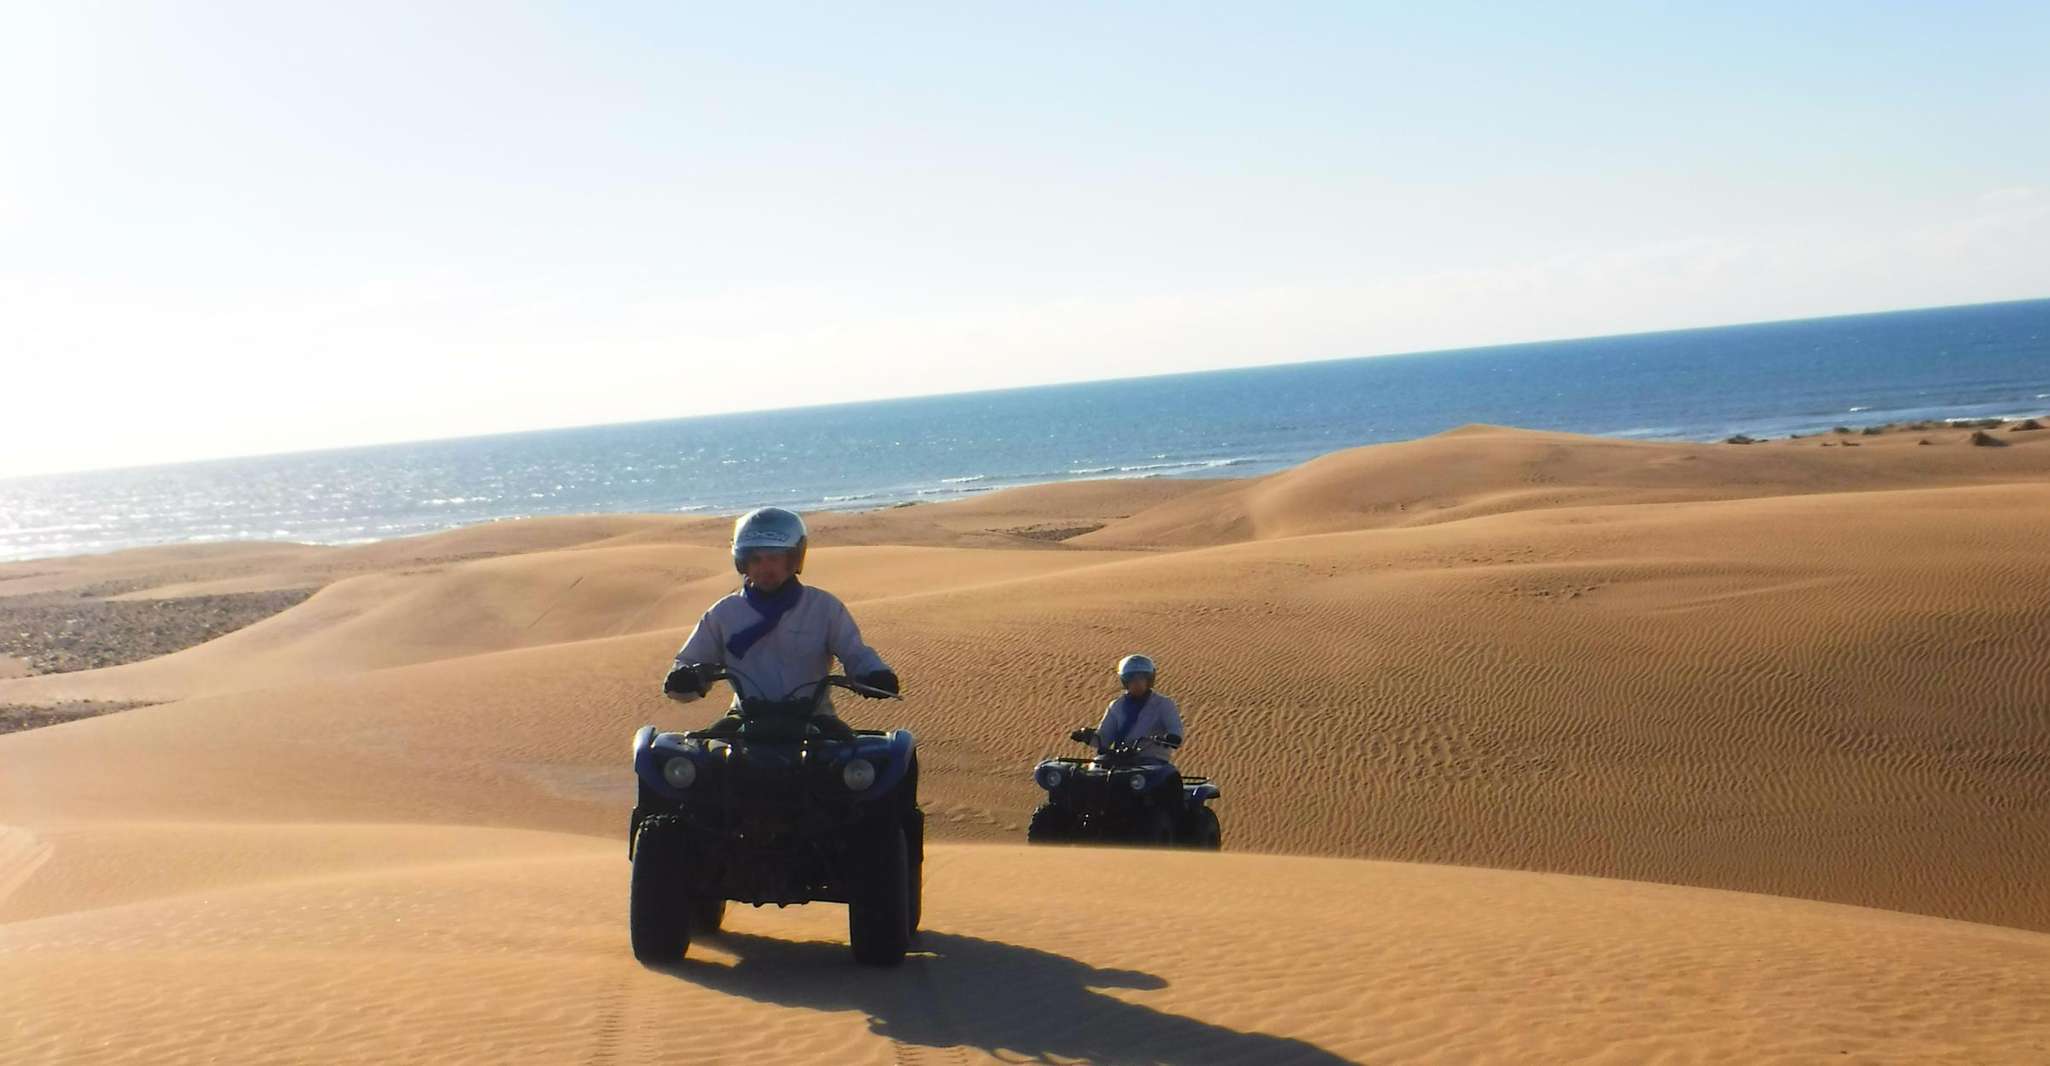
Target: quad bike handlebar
(1126, 747)
(819, 687)
(794, 716)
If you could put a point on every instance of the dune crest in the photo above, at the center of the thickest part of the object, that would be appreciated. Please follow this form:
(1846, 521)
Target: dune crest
(1479, 470)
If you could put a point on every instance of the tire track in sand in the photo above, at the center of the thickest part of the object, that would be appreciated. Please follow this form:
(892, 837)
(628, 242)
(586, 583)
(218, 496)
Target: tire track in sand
(933, 999)
(22, 853)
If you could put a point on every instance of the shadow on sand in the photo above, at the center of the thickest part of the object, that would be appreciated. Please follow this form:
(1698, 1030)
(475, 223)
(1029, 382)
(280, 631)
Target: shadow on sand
(960, 991)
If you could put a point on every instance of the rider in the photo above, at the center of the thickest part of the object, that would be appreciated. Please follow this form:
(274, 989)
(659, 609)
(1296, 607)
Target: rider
(776, 635)
(1140, 713)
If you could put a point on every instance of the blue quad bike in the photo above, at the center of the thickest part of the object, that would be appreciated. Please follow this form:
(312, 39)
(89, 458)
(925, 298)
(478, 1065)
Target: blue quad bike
(1122, 797)
(776, 813)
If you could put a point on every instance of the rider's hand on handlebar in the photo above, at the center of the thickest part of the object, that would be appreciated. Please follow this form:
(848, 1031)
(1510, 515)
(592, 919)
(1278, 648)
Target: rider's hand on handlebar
(1083, 736)
(1172, 740)
(685, 682)
(881, 680)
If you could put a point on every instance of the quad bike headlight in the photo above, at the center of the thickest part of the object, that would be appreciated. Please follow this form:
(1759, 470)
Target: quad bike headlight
(858, 774)
(680, 772)
(1049, 777)
(1136, 782)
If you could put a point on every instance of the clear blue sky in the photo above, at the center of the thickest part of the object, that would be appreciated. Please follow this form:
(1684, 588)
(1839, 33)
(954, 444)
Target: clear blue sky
(239, 228)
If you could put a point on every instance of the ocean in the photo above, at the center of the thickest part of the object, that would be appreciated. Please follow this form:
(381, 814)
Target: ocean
(1768, 379)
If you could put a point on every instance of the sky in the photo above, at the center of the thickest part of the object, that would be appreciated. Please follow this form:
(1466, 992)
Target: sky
(241, 228)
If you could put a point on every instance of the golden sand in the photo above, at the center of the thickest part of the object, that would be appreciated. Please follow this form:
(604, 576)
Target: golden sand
(1783, 709)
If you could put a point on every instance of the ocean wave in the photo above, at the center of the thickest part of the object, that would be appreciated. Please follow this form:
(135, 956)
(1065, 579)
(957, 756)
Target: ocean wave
(850, 498)
(2015, 416)
(1092, 470)
(963, 480)
(1855, 410)
(1186, 464)
(1137, 468)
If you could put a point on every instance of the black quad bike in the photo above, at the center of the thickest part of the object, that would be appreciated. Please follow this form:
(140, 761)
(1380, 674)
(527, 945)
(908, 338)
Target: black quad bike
(1122, 797)
(776, 813)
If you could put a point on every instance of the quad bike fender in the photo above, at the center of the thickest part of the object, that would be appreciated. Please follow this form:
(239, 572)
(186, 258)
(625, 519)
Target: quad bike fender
(652, 749)
(892, 755)
(1204, 792)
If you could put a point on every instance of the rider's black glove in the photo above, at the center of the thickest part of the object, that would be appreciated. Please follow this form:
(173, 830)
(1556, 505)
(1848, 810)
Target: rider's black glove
(886, 680)
(1083, 736)
(1172, 740)
(685, 680)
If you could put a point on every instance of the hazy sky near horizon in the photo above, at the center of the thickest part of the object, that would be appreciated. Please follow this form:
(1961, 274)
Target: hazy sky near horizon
(237, 228)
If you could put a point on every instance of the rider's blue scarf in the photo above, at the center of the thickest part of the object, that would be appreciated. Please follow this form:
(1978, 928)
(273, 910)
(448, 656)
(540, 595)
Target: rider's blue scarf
(772, 606)
(1132, 707)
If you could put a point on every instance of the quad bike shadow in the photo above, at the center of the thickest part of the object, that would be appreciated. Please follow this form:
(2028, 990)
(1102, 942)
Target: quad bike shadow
(999, 998)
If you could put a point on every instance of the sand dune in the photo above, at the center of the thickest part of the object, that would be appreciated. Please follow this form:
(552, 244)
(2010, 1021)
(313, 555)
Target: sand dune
(1479, 470)
(384, 825)
(424, 614)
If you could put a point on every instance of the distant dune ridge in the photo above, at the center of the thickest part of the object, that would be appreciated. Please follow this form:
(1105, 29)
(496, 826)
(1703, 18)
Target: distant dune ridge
(385, 824)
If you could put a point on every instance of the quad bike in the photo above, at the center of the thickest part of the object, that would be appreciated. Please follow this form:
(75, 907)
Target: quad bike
(1121, 796)
(776, 813)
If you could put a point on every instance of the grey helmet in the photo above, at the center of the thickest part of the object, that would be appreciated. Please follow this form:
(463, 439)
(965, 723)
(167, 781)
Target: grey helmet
(1132, 666)
(773, 529)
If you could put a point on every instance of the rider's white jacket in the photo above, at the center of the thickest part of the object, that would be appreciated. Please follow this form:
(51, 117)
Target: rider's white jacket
(799, 651)
(1158, 716)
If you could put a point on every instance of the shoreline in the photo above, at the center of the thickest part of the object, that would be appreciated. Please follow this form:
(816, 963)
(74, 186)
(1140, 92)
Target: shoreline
(968, 487)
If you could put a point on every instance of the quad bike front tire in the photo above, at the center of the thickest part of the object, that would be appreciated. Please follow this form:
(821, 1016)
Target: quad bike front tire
(706, 913)
(914, 845)
(879, 918)
(1051, 824)
(1201, 831)
(658, 914)
(914, 842)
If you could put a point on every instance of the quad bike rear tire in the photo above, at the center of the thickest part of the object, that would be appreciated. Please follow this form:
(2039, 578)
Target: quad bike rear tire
(658, 913)
(1051, 824)
(879, 918)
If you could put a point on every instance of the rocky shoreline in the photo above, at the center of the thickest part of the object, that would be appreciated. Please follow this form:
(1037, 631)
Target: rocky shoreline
(15, 717)
(55, 633)
(1978, 425)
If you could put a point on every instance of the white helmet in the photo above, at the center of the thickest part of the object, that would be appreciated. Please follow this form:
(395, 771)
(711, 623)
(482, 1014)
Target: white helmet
(771, 529)
(1132, 666)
